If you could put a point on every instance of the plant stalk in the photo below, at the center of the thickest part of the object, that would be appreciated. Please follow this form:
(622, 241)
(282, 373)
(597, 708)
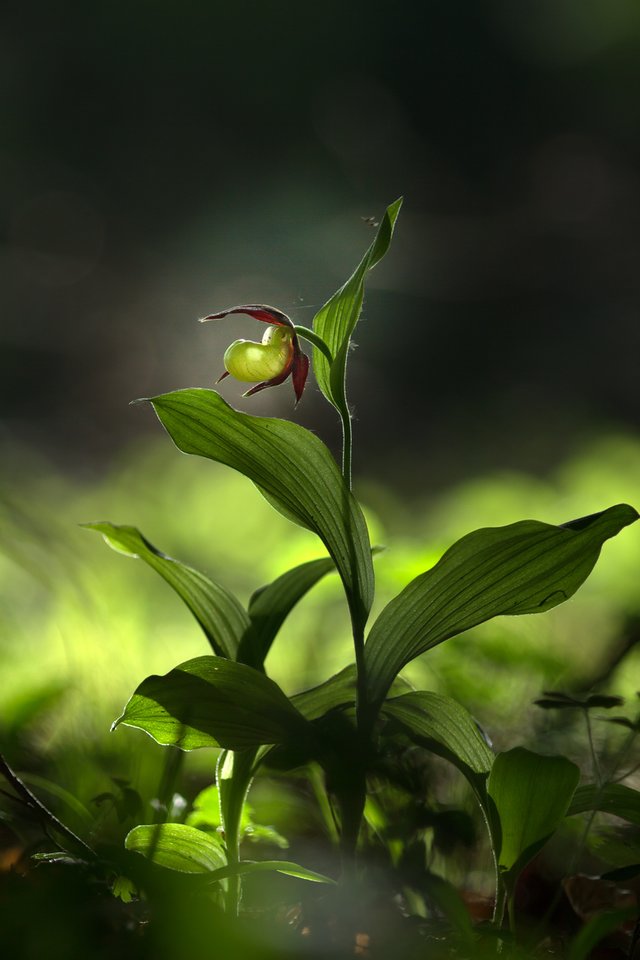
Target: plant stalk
(315, 339)
(347, 443)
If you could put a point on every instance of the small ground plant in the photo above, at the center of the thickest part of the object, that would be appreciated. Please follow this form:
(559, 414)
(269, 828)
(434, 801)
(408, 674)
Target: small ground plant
(365, 726)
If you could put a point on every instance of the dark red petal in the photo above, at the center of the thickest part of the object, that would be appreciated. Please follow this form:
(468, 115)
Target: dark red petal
(222, 376)
(299, 372)
(259, 311)
(274, 382)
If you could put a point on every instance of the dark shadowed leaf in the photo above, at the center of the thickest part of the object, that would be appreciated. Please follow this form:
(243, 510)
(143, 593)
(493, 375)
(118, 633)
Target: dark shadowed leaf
(290, 466)
(336, 320)
(177, 847)
(531, 794)
(338, 691)
(556, 700)
(615, 798)
(222, 617)
(595, 930)
(525, 567)
(443, 725)
(210, 701)
(270, 606)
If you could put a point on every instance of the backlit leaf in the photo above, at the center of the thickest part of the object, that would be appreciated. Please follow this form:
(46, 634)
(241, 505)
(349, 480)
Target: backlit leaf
(211, 701)
(336, 320)
(525, 567)
(286, 867)
(290, 466)
(177, 847)
(270, 606)
(531, 794)
(222, 617)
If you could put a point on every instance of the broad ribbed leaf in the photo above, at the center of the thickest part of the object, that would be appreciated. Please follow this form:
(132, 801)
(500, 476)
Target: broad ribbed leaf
(222, 617)
(184, 849)
(615, 798)
(336, 320)
(291, 466)
(177, 847)
(209, 702)
(444, 725)
(526, 567)
(337, 692)
(531, 794)
(270, 606)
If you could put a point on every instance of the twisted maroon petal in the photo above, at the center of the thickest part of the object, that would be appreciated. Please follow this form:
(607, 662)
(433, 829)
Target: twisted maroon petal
(299, 372)
(274, 382)
(259, 311)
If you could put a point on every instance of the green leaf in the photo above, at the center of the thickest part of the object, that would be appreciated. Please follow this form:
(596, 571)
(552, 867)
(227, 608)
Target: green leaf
(221, 616)
(336, 320)
(290, 466)
(615, 798)
(209, 702)
(270, 866)
(338, 691)
(444, 725)
(525, 567)
(531, 794)
(177, 847)
(270, 606)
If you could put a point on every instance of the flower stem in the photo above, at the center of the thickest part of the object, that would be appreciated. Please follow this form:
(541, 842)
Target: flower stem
(347, 443)
(315, 339)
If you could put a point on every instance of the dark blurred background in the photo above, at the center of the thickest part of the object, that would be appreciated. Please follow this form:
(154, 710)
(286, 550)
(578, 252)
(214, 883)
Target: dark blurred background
(161, 160)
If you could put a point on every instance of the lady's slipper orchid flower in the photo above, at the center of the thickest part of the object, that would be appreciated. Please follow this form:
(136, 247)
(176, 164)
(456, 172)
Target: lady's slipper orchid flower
(270, 362)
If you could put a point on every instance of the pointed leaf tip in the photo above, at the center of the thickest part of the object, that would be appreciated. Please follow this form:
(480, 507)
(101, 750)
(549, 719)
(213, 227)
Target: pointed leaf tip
(522, 568)
(139, 400)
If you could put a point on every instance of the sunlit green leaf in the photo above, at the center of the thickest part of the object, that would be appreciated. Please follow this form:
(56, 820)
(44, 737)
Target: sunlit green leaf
(531, 794)
(269, 607)
(444, 725)
(286, 867)
(291, 466)
(525, 567)
(211, 701)
(615, 798)
(177, 847)
(220, 615)
(336, 320)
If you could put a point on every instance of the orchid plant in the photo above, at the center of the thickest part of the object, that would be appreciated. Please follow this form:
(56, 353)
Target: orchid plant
(224, 699)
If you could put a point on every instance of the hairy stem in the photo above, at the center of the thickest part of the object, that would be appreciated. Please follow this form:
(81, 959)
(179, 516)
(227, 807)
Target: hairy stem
(347, 443)
(315, 339)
